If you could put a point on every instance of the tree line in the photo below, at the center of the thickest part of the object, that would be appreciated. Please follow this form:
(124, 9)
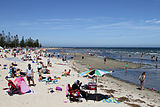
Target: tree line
(13, 41)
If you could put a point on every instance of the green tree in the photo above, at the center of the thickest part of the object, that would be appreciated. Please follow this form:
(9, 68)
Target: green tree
(16, 41)
(22, 43)
(36, 43)
(8, 40)
(13, 41)
(29, 42)
(2, 40)
(40, 45)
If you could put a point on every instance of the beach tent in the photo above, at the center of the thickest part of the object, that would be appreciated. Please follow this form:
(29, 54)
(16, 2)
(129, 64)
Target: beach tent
(24, 88)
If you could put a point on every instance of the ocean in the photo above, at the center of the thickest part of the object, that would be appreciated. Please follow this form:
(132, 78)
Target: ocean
(135, 55)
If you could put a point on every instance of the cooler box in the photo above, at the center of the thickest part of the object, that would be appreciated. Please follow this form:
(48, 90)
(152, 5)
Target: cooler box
(92, 86)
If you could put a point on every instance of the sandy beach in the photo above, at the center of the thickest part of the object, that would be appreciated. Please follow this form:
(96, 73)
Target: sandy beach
(126, 94)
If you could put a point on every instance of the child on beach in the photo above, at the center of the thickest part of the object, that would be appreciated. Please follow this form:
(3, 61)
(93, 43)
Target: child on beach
(12, 70)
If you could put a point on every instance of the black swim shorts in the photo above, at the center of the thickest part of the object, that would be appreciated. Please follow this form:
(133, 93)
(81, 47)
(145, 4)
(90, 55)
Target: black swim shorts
(29, 78)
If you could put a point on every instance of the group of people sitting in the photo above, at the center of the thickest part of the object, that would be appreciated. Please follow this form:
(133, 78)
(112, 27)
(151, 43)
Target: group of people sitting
(3, 56)
(75, 93)
(19, 85)
(27, 57)
(42, 69)
(16, 72)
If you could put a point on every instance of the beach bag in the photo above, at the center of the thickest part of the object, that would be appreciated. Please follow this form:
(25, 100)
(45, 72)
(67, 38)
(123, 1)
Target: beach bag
(59, 88)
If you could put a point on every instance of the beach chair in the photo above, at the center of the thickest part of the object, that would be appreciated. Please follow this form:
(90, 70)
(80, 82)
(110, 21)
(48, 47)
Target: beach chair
(13, 89)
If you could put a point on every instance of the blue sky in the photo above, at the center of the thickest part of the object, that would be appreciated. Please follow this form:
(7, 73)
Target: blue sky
(84, 23)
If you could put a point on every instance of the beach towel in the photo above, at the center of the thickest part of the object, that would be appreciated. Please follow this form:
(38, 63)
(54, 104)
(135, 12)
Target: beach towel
(53, 81)
(60, 64)
(110, 100)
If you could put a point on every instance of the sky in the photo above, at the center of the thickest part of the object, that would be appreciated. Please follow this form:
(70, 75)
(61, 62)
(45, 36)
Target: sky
(84, 23)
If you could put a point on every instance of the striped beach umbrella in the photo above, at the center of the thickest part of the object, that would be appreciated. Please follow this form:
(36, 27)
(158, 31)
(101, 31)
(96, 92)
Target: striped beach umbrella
(95, 73)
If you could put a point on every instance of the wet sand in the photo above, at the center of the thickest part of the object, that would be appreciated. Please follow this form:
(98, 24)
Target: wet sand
(98, 63)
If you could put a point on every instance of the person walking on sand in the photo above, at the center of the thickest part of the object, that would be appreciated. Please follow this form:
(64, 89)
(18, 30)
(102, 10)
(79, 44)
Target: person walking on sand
(105, 58)
(142, 80)
(30, 75)
(48, 62)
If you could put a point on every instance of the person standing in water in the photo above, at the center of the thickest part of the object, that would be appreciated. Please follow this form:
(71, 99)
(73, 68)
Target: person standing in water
(126, 66)
(120, 57)
(142, 80)
(157, 62)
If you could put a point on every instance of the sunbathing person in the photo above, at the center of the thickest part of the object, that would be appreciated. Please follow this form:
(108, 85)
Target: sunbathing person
(41, 77)
(45, 70)
(64, 73)
(20, 73)
(5, 56)
(47, 79)
(39, 68)
(1, 56)
(68, 73)
(76, 85)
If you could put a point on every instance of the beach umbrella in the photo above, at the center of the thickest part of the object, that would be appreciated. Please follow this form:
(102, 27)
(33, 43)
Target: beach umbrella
(84, 73)
(96, 72)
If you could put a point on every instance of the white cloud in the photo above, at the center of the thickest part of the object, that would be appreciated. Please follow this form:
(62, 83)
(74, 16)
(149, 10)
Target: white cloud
(127, 25)
(147, 27)
(113, 25)
(153, 21)
(51, 20)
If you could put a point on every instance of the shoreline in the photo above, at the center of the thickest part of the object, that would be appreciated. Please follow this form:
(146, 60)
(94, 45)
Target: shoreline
(126, 86)
(82, 65)
(83, 68)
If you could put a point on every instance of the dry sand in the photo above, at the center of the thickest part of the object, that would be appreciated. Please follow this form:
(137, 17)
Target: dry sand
(125, 93)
